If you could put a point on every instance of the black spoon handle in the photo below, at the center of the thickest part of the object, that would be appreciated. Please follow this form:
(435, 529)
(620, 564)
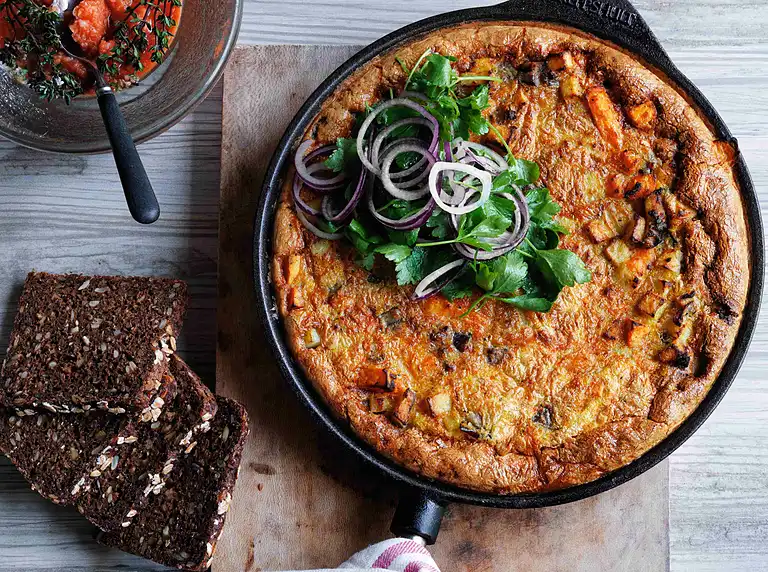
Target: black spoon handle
(139, 194)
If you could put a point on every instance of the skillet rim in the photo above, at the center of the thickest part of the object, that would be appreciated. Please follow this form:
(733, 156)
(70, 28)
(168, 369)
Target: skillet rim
(645, 47)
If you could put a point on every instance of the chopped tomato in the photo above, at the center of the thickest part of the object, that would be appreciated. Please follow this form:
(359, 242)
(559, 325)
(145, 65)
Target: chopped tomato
(119, 8)
(73, 66)
(90, 24)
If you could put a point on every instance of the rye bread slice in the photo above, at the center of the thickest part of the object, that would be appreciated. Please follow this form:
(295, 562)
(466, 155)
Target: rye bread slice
(127, 480)
(54, 452)
(59, 454)
(94, 340)
(183, 525)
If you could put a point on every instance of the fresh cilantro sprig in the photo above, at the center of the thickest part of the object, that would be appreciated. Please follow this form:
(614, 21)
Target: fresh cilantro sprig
(532, 276)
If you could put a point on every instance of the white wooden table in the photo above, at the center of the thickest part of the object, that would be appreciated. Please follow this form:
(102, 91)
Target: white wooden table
(68, 214)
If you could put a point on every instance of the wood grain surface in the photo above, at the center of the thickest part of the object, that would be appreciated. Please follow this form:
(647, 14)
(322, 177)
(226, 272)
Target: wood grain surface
(301, 502)
(67, 213)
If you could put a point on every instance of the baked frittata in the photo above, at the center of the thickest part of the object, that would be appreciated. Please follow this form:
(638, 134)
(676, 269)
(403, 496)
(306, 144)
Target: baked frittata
(504, 400)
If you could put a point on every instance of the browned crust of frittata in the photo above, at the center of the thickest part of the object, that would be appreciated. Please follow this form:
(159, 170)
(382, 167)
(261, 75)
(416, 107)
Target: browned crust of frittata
(537, 401)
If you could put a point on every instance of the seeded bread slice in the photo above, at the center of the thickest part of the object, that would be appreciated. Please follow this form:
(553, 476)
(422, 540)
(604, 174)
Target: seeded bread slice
(126, 480)
(54, 452)
(69, 449)
(95, 340)
(183, 525)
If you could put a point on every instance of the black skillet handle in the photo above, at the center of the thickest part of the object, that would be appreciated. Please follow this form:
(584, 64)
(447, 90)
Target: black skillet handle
(614, 20)
(138, 190)
(418, 515)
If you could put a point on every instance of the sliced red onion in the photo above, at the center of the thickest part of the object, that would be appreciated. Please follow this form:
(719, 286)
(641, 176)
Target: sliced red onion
(381, 137)
(399, 102)
(435, 186)
(475, 254)
(506, 242)
(412, 222)
(479, 149)
(483, 162)
(386, 165)
(307, 176)
(415, 168)
(344, 214)
(300, 203)
(430, 285)
(414, 95)
(316, 231)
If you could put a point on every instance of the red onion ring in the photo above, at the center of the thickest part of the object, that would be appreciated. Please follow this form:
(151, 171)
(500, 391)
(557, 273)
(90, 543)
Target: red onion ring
(399, 102)
(427, 287)
(412, 222)
(298, 201)
(377, 143)
(386, 165)
(316, 231)
(309, 179)
(346, 213)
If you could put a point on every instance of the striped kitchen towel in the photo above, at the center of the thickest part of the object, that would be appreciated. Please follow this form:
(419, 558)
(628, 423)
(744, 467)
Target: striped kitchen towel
(396, 555)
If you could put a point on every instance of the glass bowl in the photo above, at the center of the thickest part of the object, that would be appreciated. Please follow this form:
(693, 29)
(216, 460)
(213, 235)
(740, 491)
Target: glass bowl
(206, 36)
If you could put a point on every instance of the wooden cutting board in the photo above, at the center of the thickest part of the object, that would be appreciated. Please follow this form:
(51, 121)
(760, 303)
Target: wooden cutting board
(302, 501)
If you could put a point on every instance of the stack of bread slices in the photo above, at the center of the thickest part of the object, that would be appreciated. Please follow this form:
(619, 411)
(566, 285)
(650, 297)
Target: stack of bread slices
(98, 412)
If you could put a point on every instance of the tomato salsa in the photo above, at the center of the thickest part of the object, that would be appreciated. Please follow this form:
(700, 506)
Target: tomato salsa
(126, 39)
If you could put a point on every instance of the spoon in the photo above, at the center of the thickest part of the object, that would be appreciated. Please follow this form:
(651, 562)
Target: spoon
(137, 187)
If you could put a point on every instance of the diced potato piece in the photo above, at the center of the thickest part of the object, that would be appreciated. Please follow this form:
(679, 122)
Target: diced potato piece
(561, 62)
(614, 186)
(482, 66)
(375, 379)
(618, 252)
(640, 186)
(637, 236)
(440, 404)
(631, 161)
(295, 298)
(616, 330)
(642, 116)
(637, 266)
(650, 304)
(320, 247)
(570, 86)
(379, 403)
(402, 413)
(677, 212)
(605, 115)
(600, 231)
(292, 268)
(675, 357)
(684, 335)
(617, 215)
(312, 339)
(672, 260)
(452, 423)
(521, 97)
(636, 334)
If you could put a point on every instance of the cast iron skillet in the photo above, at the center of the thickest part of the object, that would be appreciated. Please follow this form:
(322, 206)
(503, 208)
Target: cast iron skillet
(423, 501)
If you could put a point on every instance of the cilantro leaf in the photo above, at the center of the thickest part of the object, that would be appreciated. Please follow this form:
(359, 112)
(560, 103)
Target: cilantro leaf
(478, 100)
(490, 227)
(527, 172)
(462, 287)
(562, 268)
(364, 241)
(405, 237)
(412, 270)
(503, 275)
(530, 302)
(440, 225)
(345, 153)
(541, 206)
(396, 253)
